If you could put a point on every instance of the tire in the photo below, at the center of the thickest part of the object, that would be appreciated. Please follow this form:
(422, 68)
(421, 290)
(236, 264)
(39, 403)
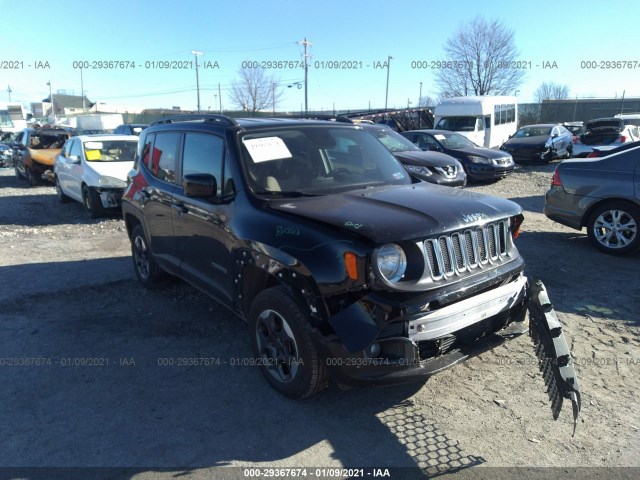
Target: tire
(147, 270)
(569, 152)
(281, 337)
(614, 228)
(62, 198)
(19, 175)
(32, 177)
(91, 202)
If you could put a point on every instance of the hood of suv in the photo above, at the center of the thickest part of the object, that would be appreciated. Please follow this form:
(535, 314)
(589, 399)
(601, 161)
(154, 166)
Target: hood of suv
(432, 159)
(395, 213)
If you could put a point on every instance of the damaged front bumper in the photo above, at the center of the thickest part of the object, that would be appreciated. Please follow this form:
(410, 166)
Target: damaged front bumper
(416, 347)
(110, 197)
(553, 353)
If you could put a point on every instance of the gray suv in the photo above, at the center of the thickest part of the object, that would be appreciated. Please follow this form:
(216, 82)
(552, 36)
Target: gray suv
(601, 194)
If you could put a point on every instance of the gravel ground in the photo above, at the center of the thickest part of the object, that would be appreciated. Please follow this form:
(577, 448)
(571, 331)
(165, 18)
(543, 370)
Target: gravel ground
(68, 292)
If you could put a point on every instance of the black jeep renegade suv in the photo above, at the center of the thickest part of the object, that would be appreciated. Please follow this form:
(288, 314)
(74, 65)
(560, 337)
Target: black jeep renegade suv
(341, 263)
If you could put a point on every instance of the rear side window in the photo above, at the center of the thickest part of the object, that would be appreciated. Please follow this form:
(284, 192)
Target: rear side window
(145, 151)
(203, 153)
(162, 160)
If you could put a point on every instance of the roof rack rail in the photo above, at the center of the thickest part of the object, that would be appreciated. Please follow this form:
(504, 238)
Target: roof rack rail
(335, 118)
(222, 119)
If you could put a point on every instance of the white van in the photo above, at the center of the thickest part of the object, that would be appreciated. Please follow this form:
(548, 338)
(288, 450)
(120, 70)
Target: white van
(487, 121)
(629, 118)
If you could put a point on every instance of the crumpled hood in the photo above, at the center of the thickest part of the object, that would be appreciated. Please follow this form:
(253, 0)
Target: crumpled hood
(112, 169)
(44, 156)
(403, 212)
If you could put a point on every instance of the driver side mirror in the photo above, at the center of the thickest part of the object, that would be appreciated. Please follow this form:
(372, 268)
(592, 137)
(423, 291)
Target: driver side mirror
(434, 148)
(199, 185)
(74, 158)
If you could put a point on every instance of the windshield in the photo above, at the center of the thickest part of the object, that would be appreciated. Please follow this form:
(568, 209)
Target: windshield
(110, 150)
(457, 124)
(393, 141)
(47, 139)
(317, 160)
(7, 137)
(5, 120)
(533, 132)
(575, 129)
(454, 141)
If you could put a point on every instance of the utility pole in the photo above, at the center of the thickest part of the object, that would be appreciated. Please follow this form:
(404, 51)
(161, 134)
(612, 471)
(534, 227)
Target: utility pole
(420, 98)
(196, 53)
(220, 98)
(306, 73)
(9, 91)
(84, 106)
(273, 98)
(386, 97)
(53, 109)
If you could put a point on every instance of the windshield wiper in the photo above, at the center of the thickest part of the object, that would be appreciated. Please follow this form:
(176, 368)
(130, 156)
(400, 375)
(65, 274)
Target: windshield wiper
(285, 193)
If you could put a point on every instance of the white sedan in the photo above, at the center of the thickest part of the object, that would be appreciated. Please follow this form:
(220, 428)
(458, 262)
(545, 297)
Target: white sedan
(92, 169)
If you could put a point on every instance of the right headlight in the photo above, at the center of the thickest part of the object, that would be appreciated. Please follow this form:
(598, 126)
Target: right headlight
(391, 262)
(418, 170)
(474, 159)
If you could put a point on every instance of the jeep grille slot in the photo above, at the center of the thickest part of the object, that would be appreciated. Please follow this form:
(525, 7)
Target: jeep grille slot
(465, 250)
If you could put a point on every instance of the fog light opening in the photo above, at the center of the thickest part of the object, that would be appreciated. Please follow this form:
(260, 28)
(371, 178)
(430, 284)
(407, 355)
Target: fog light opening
(373, 350)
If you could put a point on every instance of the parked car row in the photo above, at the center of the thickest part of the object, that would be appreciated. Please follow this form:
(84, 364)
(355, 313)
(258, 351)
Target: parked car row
(33, 150)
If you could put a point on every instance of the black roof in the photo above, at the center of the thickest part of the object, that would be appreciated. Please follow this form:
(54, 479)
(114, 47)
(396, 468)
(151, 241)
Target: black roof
(245, 123)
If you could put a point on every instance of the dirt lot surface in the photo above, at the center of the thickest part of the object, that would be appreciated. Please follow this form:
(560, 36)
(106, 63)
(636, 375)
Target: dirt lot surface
(98, 390)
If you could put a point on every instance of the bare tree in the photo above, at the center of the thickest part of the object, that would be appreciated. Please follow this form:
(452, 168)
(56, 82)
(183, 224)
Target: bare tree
(255, 90)
(551, 91)
(484, 61)
(426, 101)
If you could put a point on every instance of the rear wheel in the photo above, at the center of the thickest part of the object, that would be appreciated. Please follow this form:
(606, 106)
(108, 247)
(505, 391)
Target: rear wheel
(281, 336)
(92, 203)
(613, 228)
(145, 266)
(32, 176)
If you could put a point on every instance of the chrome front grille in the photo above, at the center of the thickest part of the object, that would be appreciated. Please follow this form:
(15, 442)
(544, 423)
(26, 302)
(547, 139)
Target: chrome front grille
(450, 171)
(463, 251)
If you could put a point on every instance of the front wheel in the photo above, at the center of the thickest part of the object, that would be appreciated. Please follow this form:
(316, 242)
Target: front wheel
(613, 228)
(62, 198)
(92, 203)
(18, 173)
(145, 266)
(281, 336)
